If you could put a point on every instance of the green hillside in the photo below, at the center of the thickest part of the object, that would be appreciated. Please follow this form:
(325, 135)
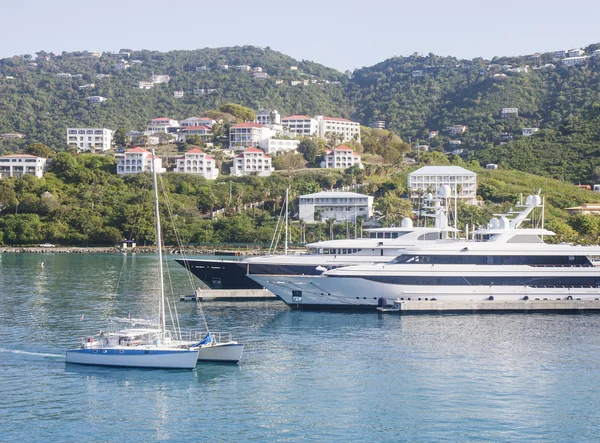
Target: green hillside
(413, 95)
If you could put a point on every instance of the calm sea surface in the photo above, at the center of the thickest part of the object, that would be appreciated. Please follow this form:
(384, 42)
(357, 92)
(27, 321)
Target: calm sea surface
(304, 377)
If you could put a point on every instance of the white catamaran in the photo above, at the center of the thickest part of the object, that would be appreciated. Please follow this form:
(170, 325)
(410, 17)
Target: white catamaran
(147, 344)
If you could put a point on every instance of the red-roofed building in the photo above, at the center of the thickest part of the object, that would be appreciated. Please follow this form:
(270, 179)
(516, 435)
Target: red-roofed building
(252, 161)
(18, 165)
(300, 124)
(248, 134)
(195, 161)
(136, 160)
(341, 157)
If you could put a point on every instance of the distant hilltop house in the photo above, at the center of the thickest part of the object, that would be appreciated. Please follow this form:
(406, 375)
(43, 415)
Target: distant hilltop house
(433, 134)
(586, 208)
(197, 162)
(509, 112)
(160, 78)
(377, 124)
(136, 160)
(145, 85)
(252, 161)
(529, 131)
(11, 136)
(434, 177)
(340, 206)
(178, 94)
(572, 61)
(456, 129)
(341, 157)
(90, 139)
(96, 99)
(18, 165)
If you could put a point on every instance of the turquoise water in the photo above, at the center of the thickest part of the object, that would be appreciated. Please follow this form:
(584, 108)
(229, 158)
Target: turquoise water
(305, 376)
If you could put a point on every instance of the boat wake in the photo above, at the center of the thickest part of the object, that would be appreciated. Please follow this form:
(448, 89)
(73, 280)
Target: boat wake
(38, 354)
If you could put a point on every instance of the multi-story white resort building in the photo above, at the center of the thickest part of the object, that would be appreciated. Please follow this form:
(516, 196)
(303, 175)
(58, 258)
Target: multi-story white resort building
(136, 160)
(341, 157)
(244, 135)
(300, 124)
(252, 161)
(431, 178)
(90, 139)
(265, 117)
(341, 206)
(18, 165)
(197, 162)
(322, 126)
(346, 129)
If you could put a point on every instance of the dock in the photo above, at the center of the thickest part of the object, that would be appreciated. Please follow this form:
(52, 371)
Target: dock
(492, 306)
(230, 295)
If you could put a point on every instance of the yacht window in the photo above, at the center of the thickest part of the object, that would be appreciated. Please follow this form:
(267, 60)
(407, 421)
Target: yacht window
(388, 235)
(345, 251)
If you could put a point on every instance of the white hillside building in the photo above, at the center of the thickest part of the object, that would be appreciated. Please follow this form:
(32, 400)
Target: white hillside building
(197, 121)
(18, 165)
(90, 139)
(431, 178)
(137, 160)
(197, 162)
(341, 206)
(252, 161)
(341, 157)
(348, 129)
(300, 124)
(244, 135)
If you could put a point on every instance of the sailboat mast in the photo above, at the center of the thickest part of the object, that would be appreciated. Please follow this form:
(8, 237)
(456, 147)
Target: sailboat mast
(286, 220)
(162, 319)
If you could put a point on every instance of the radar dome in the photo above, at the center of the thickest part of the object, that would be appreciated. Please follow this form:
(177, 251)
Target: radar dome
(537, 200)
(494, 223)
(445, 191)
(529, 200)
(504, 223)
(407, 223)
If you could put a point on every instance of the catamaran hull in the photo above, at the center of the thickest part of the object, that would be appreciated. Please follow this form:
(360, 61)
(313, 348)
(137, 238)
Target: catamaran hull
(134, 358)
(362, 294)
(221, 353)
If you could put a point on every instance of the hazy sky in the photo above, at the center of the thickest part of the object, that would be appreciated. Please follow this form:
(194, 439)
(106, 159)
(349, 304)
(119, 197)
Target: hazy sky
(341, 34)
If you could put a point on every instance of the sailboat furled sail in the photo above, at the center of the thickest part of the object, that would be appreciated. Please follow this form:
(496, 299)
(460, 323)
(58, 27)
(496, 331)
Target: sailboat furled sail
(146, 344)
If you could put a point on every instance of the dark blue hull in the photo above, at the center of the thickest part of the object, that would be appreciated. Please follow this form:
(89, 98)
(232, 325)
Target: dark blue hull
(231, 274)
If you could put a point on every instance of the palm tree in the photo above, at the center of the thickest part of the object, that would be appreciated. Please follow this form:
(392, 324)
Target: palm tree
(302, 226)
(330, 222)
